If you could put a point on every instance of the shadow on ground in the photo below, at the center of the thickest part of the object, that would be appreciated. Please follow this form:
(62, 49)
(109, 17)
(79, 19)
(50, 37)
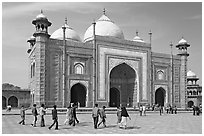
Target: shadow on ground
(132, 127)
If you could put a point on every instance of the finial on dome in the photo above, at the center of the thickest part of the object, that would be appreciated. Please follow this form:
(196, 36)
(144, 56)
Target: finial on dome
(150, 32)
(171, 44)
(94, 21)
(65, 20)
(104, 11)
(41, 11)
(137, 33)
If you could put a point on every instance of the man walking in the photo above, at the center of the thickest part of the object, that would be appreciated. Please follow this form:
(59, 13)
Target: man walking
(55, 118)
(74, 112)
(35, 114)
(160, 110)
(95, 114)
(22, 114)
(194, 109)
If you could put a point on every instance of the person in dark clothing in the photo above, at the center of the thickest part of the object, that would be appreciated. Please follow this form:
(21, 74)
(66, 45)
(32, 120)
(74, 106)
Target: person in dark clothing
(193, 110)
(35, 114)
(22, 114)
(175, 110)
(160, 110)
(167, 109)
(71, 115)
(124, 115)
(95, 114)
(172, 110)
(74, 112)
(140, 109)
(197, 110)
(55, 118)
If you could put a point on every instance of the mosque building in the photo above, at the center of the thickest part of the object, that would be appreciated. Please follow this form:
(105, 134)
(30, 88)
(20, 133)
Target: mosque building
(194, 90)
(103, 68)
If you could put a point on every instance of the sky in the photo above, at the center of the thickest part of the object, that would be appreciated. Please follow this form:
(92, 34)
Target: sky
(168, 21)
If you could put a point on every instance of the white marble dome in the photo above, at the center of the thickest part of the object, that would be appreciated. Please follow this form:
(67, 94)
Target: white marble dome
(182, 41)
(191, 74)
(104, 27)
(69, 34)
(41, 16)
(137, 38)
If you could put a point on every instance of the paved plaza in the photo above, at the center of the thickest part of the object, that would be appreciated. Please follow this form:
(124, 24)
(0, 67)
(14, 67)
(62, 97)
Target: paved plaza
(153, 123)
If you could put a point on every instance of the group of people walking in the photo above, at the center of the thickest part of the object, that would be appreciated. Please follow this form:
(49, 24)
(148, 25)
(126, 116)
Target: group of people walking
(71, 118)
(142, 110)
(70, 115)
(169, 109)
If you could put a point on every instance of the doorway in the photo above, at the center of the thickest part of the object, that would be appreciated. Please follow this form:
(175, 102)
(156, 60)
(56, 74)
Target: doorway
(78, 94)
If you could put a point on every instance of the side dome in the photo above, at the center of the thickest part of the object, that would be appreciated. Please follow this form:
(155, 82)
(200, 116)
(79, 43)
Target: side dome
(137, 38)
(69, 34)
(191, 74)
(104, 27)
(182, 41)
(41, 16)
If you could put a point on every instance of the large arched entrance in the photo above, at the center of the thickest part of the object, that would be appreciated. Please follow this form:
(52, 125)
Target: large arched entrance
(159, 96)
(13, 101)
(123, 78)
(115, 97)
(190, 104)
(3, 102)
(78, 94)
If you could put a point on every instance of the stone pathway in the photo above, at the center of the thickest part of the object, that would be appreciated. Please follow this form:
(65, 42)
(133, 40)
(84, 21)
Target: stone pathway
(153, 123)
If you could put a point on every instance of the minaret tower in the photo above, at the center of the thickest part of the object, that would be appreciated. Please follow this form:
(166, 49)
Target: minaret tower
(41, 50)
(182, 47)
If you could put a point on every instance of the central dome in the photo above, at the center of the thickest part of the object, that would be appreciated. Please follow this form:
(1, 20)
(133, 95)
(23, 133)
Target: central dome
(104, 27)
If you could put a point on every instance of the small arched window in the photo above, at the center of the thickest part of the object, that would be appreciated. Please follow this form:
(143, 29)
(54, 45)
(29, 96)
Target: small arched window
(79, 68)
(42, 26)
(31, 71)
(38, 26)
(34, 69)
(160, 75)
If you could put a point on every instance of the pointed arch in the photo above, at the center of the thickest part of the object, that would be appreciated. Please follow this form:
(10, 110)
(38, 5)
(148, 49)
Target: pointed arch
(78, 94)
(123, 76)
(160, 96)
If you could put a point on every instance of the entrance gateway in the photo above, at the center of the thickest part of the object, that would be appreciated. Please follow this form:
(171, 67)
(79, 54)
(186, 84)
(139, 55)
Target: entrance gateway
(122, 83)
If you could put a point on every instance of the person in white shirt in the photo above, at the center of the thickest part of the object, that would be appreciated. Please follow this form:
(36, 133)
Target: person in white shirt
(42, 111)
(144, 110)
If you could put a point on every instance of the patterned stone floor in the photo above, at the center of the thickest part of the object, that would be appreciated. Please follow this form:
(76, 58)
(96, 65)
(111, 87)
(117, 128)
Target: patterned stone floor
(153, 123)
